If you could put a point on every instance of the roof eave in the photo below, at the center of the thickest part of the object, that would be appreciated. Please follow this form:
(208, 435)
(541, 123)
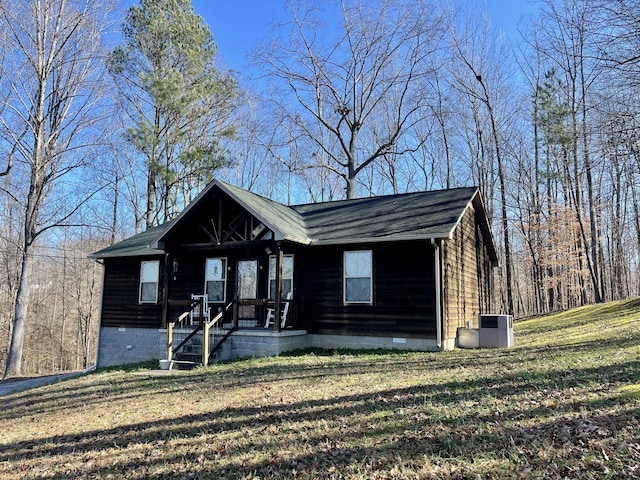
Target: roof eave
(301, 241)
(461, 216)
(386, 239)
(151, 253)
(484, 225)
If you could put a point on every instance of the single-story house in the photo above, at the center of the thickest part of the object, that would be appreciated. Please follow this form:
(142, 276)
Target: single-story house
(396, 271)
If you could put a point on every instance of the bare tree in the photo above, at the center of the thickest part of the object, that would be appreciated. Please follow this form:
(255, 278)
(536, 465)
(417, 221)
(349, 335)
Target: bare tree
(480, 73)
(359, 88)
(52, 73)
(568, 47)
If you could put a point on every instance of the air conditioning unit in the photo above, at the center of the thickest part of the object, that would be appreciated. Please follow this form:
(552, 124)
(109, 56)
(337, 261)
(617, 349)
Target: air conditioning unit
(495, 331)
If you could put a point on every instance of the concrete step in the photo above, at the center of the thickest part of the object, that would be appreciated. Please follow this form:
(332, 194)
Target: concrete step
(191, 357)
(184, 365)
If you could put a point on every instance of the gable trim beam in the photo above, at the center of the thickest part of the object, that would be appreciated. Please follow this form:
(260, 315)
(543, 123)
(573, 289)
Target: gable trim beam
(277, 233)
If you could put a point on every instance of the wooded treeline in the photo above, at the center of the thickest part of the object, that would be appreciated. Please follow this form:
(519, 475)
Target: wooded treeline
(112, 120)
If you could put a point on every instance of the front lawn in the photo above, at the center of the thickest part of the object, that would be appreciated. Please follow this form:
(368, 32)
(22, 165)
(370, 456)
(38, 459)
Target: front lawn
(564, 403)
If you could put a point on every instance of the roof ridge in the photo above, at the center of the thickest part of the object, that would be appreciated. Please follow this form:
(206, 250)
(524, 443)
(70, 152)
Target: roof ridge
(388, 195)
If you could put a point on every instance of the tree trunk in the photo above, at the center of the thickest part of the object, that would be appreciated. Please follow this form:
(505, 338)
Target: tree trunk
(351, 183)
(14, 358)
(35, 198)
(114, 219)
(503, 196)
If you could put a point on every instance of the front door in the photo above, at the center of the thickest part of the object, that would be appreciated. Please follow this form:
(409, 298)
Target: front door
(247, 287)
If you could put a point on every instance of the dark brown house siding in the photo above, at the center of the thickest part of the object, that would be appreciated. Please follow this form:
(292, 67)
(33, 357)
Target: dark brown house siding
(403, 291)
(232, 223)
(188, 270)
(466, 276)
(120, 305)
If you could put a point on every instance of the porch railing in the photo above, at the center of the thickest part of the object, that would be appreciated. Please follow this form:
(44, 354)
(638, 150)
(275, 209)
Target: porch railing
(258, 309)
(208, 328)
(180, 332)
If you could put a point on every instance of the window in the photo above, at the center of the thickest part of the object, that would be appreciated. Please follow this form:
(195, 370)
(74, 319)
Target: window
(287, 276)
(149, 274)
(216, 279)
(358, 278)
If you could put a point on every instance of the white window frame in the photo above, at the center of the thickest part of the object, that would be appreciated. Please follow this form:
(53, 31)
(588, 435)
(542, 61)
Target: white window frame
(152, 269)
(223, 279)
(346, 277)
(272, 275)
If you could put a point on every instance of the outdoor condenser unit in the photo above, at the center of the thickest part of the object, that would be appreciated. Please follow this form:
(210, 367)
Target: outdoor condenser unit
(495, 331)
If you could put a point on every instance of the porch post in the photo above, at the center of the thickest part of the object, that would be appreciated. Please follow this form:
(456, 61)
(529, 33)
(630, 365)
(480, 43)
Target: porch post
(234, 312)
(205, 343)
(277, 306)
(169, 341)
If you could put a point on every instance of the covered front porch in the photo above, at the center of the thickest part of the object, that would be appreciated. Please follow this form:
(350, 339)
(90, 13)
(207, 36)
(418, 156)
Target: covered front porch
(197, 337)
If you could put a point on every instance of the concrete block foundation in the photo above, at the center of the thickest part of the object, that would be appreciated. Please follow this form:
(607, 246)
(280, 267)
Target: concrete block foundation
(120, 346)
(357, 342)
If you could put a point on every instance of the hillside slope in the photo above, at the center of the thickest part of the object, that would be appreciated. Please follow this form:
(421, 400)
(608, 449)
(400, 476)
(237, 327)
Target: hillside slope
(564, 403)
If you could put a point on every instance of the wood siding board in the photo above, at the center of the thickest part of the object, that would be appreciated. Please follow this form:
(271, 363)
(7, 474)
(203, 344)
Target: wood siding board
(403, 285)
(467, 275)
(120, 306)
(191, 271)
(404, 290)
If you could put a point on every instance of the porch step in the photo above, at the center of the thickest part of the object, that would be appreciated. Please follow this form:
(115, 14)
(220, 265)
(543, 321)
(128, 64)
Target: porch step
(189, 357)
(192, 348)
(184, 365)
(190, 354)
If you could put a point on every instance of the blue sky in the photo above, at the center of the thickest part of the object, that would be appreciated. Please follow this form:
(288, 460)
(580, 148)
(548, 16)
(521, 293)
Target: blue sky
(238, 25)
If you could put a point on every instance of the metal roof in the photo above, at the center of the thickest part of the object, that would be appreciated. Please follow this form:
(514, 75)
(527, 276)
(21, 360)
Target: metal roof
(137, 246)
(410, 216)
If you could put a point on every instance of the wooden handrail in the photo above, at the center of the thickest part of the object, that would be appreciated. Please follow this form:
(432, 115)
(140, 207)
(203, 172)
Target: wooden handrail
(170, 325)
(215, 319)
(189, 337)
(205, 326)
(205, 333)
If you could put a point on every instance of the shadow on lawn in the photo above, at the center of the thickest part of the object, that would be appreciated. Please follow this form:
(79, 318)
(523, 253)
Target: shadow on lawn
(86, 393)
(71, 395)
(372, 431)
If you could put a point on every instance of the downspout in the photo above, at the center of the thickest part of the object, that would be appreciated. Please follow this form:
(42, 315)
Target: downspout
(167, 270)
(436, 269)
(99, 262)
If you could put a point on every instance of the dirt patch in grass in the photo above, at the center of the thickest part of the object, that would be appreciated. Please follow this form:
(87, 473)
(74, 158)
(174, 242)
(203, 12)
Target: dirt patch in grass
(564, 405)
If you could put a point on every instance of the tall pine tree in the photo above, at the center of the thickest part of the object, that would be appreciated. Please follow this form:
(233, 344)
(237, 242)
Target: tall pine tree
(176, 102)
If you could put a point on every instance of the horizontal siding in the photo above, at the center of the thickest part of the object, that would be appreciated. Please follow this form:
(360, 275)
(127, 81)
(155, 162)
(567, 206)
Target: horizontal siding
(485, 271)
(189, 277)
(120, 307)
(187, 280)
(403, 289)
(403, 292)
(467, 276)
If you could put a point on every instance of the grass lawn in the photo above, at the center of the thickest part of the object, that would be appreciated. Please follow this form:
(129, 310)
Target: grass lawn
(564, 403)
